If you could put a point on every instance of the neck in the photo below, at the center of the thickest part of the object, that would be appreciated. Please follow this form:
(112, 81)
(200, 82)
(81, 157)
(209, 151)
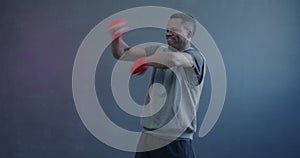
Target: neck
(188, 45)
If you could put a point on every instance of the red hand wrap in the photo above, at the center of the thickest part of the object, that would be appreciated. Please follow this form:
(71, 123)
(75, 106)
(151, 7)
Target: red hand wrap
(119, 25)
(138, 67)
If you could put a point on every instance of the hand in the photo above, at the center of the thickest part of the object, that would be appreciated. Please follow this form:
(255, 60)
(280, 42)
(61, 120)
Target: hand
(117, 28)
(138, 67)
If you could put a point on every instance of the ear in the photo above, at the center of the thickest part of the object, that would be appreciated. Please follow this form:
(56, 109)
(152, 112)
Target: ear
(190, 34)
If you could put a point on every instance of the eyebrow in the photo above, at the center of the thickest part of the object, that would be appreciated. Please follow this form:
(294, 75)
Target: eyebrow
(172, 28)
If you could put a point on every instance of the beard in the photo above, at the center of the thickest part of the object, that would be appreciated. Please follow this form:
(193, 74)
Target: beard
(177, 42)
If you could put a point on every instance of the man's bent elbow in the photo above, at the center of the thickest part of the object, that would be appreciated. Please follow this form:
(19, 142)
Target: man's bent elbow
(116, 56)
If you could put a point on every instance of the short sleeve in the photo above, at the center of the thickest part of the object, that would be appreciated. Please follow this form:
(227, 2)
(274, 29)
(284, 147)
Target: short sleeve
(198, 67)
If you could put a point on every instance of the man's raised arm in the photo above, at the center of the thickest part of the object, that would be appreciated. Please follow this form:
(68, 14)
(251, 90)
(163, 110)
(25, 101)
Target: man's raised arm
(121, 51)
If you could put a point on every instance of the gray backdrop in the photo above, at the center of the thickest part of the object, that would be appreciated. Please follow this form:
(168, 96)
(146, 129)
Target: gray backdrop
(258, 39)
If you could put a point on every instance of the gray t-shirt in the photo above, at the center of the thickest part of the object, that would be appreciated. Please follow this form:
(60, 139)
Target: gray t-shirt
(183, 86)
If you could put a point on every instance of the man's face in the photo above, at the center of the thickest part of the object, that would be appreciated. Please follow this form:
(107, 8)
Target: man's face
(177, 36)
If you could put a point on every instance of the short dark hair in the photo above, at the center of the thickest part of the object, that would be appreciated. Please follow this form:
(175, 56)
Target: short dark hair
(187, 20)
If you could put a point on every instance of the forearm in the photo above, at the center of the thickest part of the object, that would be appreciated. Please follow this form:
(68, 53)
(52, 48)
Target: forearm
(160, 60)
(163, 60)
(169, 59)
(118, 47)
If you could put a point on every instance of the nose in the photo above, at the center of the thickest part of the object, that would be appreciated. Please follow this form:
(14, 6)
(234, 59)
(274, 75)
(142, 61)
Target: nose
(169, 32)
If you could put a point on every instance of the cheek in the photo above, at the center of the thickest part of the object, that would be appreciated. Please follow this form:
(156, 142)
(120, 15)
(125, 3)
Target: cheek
(181, 38)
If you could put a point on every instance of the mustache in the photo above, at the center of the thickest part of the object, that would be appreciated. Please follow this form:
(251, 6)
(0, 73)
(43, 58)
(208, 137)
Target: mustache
(170, 36)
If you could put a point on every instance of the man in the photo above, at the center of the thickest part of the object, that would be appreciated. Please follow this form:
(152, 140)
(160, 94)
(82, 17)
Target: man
(181, 70)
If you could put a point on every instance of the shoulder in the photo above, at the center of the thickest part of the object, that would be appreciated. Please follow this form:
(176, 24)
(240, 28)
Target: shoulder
(197, 55)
